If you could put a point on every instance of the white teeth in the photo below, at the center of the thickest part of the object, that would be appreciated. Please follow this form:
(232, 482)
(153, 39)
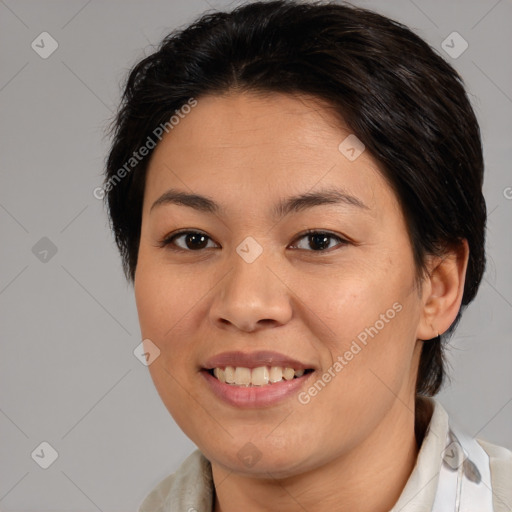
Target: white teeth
(261, 376)
(288, 373)
(242, 376)
(229, 374)
(219, 373)
(275, 374)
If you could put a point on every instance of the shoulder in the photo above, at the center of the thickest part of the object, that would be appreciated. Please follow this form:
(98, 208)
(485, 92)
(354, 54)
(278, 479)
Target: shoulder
(190, 487)
(500, 460)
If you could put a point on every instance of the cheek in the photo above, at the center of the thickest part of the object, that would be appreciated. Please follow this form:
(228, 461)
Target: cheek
(369, 320)
(150, 306)
(170, 303)
(162, 303)
(349, 303)
(163, 296)
(381, 354)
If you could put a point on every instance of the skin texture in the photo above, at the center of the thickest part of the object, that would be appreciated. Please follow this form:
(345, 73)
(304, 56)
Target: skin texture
(352, 447)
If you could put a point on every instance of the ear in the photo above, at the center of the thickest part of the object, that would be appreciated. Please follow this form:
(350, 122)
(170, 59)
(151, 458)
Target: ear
(442, 291)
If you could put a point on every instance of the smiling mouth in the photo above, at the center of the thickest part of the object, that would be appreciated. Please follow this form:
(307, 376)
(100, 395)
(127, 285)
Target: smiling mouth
(256, 377)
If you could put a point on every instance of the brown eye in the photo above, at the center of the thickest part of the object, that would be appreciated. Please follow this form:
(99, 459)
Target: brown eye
(191, 241)
(319, 241)
(194, 241)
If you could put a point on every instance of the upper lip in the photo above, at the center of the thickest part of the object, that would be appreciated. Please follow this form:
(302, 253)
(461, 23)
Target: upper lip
(254, 360)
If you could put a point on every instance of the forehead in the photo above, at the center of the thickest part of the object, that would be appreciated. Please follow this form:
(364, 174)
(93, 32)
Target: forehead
(236, 123)
(249, 147)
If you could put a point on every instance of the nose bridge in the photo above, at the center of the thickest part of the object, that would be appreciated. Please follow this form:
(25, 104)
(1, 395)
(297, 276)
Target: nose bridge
(252, 293)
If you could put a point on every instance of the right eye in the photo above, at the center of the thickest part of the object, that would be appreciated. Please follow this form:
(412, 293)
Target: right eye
(193, 241)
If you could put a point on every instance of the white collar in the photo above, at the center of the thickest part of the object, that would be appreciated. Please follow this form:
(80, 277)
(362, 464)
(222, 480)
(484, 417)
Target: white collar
(452, 471)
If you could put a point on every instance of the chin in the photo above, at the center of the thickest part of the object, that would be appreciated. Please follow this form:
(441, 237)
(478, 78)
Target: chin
(252, 461)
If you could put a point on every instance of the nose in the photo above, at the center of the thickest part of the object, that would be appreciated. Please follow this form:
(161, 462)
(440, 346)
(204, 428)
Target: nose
(252, 296)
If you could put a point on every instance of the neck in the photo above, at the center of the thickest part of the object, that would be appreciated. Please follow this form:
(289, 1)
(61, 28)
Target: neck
(369, 478)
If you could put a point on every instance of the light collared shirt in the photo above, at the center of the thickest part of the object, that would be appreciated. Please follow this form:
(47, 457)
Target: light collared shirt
(453, 473)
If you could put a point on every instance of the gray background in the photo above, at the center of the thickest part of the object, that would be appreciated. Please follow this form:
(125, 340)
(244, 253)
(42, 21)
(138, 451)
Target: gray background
(68, 375)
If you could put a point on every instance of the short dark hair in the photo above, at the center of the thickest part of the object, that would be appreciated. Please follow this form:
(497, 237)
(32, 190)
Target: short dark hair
(395, 93)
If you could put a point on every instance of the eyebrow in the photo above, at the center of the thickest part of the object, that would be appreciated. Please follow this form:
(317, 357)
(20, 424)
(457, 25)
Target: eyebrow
(284, 207)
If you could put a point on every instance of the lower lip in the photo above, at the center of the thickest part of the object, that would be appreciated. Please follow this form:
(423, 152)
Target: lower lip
(255, 396)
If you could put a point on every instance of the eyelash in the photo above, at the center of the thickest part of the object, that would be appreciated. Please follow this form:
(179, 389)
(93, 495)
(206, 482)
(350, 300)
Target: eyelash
(169, 240)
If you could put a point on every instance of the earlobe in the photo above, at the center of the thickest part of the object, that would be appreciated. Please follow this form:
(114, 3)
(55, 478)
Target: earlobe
(443, 288)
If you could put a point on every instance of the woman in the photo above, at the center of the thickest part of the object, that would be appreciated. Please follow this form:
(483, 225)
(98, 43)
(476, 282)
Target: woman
(296, 192)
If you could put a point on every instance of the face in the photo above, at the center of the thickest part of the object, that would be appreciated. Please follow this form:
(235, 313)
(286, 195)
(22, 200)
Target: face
(325, 285)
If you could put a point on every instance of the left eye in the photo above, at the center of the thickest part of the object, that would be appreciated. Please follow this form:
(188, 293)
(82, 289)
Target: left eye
(320, 240)
(195, 241)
